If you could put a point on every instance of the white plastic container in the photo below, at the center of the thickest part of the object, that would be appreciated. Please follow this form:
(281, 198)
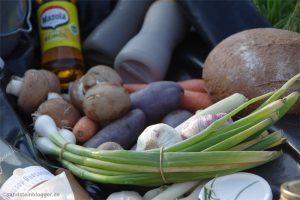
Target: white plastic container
(108, 38)
(239, 186)
(146, 57)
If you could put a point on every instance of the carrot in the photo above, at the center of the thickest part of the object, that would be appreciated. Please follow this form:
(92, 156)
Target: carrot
(194, 101)
(84, 129)
(133, 87)
(196, 85)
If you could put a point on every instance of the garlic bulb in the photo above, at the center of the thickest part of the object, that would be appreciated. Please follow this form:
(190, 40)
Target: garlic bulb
(125, 195)
(200, 123)
(156, 136)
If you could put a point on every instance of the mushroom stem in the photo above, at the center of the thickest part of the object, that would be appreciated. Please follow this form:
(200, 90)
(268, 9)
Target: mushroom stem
(14, 86)
(81, 88)
(53, 95)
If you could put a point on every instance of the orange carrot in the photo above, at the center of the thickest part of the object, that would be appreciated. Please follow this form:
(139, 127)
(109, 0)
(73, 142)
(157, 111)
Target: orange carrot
(133, 87)
(196, 85)
(84, 129)
(194, 101)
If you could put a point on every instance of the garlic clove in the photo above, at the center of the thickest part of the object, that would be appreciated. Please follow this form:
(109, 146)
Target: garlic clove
(156, 136)
(200, 123)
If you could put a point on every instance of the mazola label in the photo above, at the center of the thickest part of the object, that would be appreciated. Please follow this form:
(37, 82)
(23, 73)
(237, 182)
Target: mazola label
(53, 17)
(58, 25)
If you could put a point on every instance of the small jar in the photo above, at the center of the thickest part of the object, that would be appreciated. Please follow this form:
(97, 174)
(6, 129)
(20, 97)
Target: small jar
(290, 190)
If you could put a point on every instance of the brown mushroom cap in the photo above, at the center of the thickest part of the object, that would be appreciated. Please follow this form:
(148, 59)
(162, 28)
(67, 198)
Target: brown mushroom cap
(63, 113)
(53, 81)
(100, 73)
(34, 91)
(105, 102)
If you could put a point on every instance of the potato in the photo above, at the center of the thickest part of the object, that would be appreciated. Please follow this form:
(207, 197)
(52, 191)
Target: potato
(123, 131)
(157, 99)
(253, 62)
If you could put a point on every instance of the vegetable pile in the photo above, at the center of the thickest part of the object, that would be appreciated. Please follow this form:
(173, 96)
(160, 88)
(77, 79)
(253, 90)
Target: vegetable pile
(217, 150)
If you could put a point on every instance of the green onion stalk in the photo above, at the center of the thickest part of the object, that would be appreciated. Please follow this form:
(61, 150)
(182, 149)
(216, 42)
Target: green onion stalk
(215, 151)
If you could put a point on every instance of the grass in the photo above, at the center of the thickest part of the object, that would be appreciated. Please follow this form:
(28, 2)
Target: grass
(282, 14)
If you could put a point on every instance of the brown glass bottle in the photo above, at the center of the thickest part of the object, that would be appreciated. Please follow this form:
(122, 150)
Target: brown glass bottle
(60, 41)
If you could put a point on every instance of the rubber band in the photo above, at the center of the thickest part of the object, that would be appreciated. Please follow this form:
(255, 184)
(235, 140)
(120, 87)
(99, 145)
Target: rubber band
(161, 157)
(62, 150)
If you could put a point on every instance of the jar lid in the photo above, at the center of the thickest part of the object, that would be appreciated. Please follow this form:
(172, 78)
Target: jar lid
(291, 190)
(242, 185)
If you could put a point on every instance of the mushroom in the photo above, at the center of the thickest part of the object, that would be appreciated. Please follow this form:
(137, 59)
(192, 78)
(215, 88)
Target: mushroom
(95, 75)
(106, 102)
(31, 90)
(98, 74)
(53, 81)
(66, 97)
(63, 113)
(76, 93)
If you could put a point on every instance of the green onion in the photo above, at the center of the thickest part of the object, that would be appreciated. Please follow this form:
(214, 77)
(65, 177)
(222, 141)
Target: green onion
(218, 123)
(210, 164)
(267, 142)
(176, 190)
(281, 90)
(249, 143)
(238, 138)
(225, 105)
